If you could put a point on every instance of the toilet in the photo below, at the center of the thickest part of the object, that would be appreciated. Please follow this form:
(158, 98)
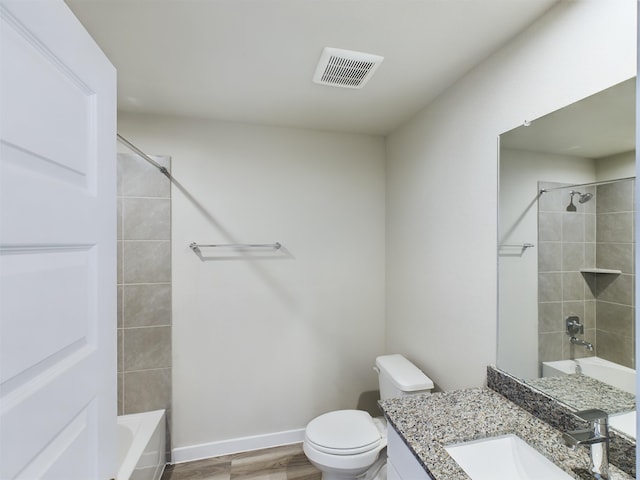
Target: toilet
(351, 444)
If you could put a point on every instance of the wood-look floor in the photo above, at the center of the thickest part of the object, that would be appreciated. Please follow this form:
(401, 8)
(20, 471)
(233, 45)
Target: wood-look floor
(280, 463)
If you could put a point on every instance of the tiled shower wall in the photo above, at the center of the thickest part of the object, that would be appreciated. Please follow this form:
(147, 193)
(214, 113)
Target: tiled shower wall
(566, 243)
(598, 234)
(615, 300)
(144, 285)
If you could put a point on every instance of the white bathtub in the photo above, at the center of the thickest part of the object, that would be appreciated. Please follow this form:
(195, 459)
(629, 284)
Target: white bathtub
(141, 446)
(624, 422)
(608, 372)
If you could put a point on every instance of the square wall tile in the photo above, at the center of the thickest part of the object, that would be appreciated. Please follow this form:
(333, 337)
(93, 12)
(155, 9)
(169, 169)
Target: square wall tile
(551, 200)
(573, 256)
(619, 256)
(146, 219)
(590, 255)
(616, 348)
(590, 226)
(615, 227)
(615, 197)
(549, 287)
(549, 227)
(146, 262)
(549, 347)
(573, 286)
(550, 317)
(147, 305)
(573, 227)
(589, 319)
(615, 318)
(550, 257)
(146, 348)
(141, 179)
(147, 390)
(615, 288)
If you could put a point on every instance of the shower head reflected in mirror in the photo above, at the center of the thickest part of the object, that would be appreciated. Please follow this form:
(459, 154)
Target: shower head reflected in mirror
(582, 198)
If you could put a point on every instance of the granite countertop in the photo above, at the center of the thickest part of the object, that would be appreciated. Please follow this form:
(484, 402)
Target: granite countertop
(582, 392)
(427, 423)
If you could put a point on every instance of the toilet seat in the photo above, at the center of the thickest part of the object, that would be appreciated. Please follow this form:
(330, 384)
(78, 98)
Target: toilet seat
(343, 432)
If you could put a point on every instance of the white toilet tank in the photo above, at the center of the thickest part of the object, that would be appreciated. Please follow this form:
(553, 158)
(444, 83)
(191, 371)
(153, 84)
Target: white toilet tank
(398, 377)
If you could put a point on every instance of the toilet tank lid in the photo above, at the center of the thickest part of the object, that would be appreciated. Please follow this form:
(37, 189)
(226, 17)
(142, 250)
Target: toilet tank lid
(404, 374)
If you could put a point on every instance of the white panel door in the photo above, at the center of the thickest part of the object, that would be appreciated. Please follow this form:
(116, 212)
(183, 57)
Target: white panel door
(57, 247)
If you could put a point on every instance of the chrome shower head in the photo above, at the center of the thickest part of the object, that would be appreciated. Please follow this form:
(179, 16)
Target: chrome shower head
(585, 197)
(582, 198)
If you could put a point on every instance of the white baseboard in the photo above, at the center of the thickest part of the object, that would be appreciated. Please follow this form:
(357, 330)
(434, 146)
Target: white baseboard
(236, 445)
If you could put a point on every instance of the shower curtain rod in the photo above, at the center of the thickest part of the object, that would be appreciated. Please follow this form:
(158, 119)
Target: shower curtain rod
(131, 146)
(592, 184)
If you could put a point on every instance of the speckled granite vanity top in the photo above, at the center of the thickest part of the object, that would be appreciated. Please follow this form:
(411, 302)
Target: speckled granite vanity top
(582, 392)
(427, 423)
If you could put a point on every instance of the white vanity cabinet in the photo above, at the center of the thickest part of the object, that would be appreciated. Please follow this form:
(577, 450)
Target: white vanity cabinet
(401, 464)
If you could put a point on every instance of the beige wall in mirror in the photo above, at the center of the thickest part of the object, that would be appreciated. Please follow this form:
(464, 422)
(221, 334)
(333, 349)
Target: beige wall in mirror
(566, 310)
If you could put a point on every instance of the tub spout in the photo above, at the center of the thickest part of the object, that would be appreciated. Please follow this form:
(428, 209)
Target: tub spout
(578, 341)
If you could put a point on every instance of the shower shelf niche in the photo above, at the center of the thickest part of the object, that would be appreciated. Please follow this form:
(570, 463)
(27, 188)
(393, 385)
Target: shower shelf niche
(601, 270)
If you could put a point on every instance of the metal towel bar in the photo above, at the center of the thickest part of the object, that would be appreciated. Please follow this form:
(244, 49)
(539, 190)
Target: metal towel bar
(518, 245)
(238, 246)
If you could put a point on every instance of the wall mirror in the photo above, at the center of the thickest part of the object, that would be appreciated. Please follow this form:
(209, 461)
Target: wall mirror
(566, 253)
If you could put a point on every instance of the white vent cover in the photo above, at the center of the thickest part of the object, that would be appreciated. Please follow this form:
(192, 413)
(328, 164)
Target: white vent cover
(345, 68)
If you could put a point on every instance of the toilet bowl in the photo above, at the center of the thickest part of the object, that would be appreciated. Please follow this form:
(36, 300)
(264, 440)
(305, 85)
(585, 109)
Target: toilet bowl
(351, 444)
(346, 444)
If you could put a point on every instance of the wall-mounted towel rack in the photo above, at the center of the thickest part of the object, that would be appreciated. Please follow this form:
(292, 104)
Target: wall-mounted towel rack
(517, 245)
(237, 246)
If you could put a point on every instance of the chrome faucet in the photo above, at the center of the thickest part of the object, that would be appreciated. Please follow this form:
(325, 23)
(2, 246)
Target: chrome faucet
(578, 341)
(574, 327)
(596, 437)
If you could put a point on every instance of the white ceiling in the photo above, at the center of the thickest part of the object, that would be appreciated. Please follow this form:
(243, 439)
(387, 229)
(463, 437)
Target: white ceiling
(598, 126)
(253, 60)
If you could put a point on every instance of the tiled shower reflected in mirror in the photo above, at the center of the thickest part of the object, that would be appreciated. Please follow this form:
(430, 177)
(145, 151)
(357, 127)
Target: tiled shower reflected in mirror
(586, 269)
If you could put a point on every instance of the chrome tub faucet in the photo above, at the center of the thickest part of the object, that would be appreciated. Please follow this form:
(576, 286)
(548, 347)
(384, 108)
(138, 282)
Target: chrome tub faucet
(596, 437)
(578, 341)
(574, 327)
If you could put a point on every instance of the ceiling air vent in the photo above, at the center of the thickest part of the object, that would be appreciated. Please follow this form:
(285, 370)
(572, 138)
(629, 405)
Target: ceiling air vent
(345, 68)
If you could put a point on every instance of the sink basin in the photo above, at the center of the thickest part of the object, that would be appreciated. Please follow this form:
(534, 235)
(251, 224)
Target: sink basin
(507, 456)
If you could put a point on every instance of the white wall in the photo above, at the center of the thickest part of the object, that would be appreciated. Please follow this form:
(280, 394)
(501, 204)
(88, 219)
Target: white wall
(520, 172)
(622, 165)
(261, 346)
(442, 182)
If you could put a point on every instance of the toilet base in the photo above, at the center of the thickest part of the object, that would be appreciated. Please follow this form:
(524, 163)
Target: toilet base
(378, 471)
